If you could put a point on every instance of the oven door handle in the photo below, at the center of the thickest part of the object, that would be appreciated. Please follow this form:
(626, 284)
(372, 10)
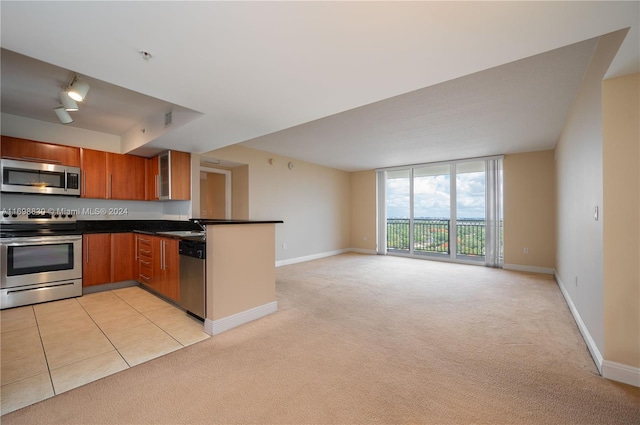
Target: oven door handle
(41, 240)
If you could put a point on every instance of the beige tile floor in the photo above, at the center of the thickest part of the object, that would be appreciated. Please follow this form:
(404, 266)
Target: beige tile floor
(50, 348)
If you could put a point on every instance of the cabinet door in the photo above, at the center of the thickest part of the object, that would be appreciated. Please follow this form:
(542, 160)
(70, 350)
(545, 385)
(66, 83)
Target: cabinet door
(30, 150)
(123, 264)
(180, 176)
(152, 188)
(96, 259)
(157, 283)
(171, 269)
(126, 177)
(175, 175)
(94, 173)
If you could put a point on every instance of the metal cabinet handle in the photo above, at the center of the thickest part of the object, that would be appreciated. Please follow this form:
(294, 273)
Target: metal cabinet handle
(163, 263)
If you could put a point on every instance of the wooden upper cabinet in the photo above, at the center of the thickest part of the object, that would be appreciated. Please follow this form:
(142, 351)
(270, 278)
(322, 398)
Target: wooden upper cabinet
(175, 175)
(94, 173)
(125, 177)
(152, 189)
(30, 150)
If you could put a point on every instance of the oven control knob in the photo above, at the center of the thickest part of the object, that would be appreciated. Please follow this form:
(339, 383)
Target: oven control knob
(63, 216)
(5, 215)
(56, 216)
(14, 215)
(69, 216)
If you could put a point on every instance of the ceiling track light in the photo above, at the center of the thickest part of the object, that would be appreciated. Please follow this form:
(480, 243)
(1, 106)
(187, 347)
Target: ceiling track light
(69, 104)
(78, 89)
(63, 115)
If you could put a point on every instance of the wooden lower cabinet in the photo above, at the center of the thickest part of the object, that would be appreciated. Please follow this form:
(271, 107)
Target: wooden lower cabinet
(123, 265)
(96, 259)
(158, 265)
(107, 258)
(170, 273)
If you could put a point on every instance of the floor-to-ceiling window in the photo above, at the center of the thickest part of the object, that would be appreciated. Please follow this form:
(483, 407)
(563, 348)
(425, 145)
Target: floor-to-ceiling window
(450, 210)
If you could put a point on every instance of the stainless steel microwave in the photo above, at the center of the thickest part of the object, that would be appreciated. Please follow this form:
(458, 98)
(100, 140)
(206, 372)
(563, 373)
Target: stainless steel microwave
(35, 177)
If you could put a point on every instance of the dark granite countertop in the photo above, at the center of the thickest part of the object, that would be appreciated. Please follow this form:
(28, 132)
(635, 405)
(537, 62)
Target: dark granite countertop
(142, 226)
(214, 222)
(155, 227)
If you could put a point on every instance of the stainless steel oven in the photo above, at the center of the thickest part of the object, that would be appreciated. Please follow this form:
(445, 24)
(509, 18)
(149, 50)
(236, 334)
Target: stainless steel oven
(38, 265)
(35, 177)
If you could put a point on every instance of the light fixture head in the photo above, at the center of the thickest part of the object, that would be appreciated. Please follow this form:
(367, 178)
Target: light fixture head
(78, 89)
(63, 115)
(69, 104)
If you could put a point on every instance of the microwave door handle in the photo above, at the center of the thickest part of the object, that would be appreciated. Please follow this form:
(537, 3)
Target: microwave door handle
(65, 181)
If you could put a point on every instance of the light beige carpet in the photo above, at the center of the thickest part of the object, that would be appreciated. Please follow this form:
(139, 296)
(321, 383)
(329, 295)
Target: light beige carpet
(368, 339)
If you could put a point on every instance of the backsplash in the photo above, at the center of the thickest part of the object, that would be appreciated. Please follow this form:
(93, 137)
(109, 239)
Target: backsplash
(99, 209)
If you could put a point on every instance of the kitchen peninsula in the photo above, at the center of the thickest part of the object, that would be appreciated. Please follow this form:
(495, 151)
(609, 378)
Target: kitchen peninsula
(240, 282)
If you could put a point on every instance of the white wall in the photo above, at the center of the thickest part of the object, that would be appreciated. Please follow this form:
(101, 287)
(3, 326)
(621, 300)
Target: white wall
(579, 191)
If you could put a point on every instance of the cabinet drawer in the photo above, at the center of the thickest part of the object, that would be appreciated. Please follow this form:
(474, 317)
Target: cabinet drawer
(146, 268)
(144, 248)
(145, 253)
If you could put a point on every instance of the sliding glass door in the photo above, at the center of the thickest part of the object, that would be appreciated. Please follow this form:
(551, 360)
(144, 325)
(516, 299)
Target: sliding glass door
(431, 210)
(445, 210)
(470, 210)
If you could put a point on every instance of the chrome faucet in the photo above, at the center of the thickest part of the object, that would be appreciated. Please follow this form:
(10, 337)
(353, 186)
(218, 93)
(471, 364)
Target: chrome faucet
(201, 226)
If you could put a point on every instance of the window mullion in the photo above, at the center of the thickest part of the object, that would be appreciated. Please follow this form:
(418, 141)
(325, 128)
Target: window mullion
(453, 228)
(411, 203)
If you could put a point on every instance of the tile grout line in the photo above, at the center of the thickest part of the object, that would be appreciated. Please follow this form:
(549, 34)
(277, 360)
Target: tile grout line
(149, 319)
(46, 359)
(105, 335)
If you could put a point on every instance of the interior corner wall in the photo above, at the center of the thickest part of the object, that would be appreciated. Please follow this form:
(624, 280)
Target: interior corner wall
(621, 163)
(363, 208)
(312, 200)
(529, 204)
(579, 247)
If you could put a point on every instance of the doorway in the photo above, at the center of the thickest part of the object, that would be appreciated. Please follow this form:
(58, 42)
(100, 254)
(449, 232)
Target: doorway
(215, 193)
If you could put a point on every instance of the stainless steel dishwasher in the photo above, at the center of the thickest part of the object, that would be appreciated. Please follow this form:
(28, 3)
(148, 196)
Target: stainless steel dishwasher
(193, 276)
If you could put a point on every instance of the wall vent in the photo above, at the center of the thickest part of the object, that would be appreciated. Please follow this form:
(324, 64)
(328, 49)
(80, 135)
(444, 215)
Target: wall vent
(168, 117)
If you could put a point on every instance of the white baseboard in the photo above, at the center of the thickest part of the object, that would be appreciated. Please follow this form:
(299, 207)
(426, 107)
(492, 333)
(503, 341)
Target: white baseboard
(310, 257)
(530, 269)
(591, 344)
(364, 251)
(621, 373)
(215, 327)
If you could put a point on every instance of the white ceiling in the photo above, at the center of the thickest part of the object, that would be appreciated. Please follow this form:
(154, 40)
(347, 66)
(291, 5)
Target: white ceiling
(352, 85)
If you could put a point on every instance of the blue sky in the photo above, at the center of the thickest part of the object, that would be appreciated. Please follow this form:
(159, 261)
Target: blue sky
(432, 196)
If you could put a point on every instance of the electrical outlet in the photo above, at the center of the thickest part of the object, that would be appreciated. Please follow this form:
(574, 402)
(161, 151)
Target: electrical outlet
(284, 246)
(526, 250)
